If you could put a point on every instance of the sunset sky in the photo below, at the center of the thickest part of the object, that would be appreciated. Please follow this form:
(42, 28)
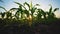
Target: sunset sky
(44, 4)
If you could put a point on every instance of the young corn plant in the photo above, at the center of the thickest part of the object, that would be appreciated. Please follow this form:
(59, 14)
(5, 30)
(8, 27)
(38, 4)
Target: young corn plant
(32, 10)
(51, 13)
(8, 14)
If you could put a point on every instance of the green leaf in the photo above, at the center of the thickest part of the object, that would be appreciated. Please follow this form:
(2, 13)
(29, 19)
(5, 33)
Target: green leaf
(50, 10)
(37, 5)
(3, 8)
(56, 9)
(20, 5)
(27, 4)
(33, 10)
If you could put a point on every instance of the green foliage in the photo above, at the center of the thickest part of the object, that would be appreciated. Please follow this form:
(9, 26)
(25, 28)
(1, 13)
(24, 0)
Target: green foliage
(27, 5)
(51, 12)
(19, 15)
(2, 14)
